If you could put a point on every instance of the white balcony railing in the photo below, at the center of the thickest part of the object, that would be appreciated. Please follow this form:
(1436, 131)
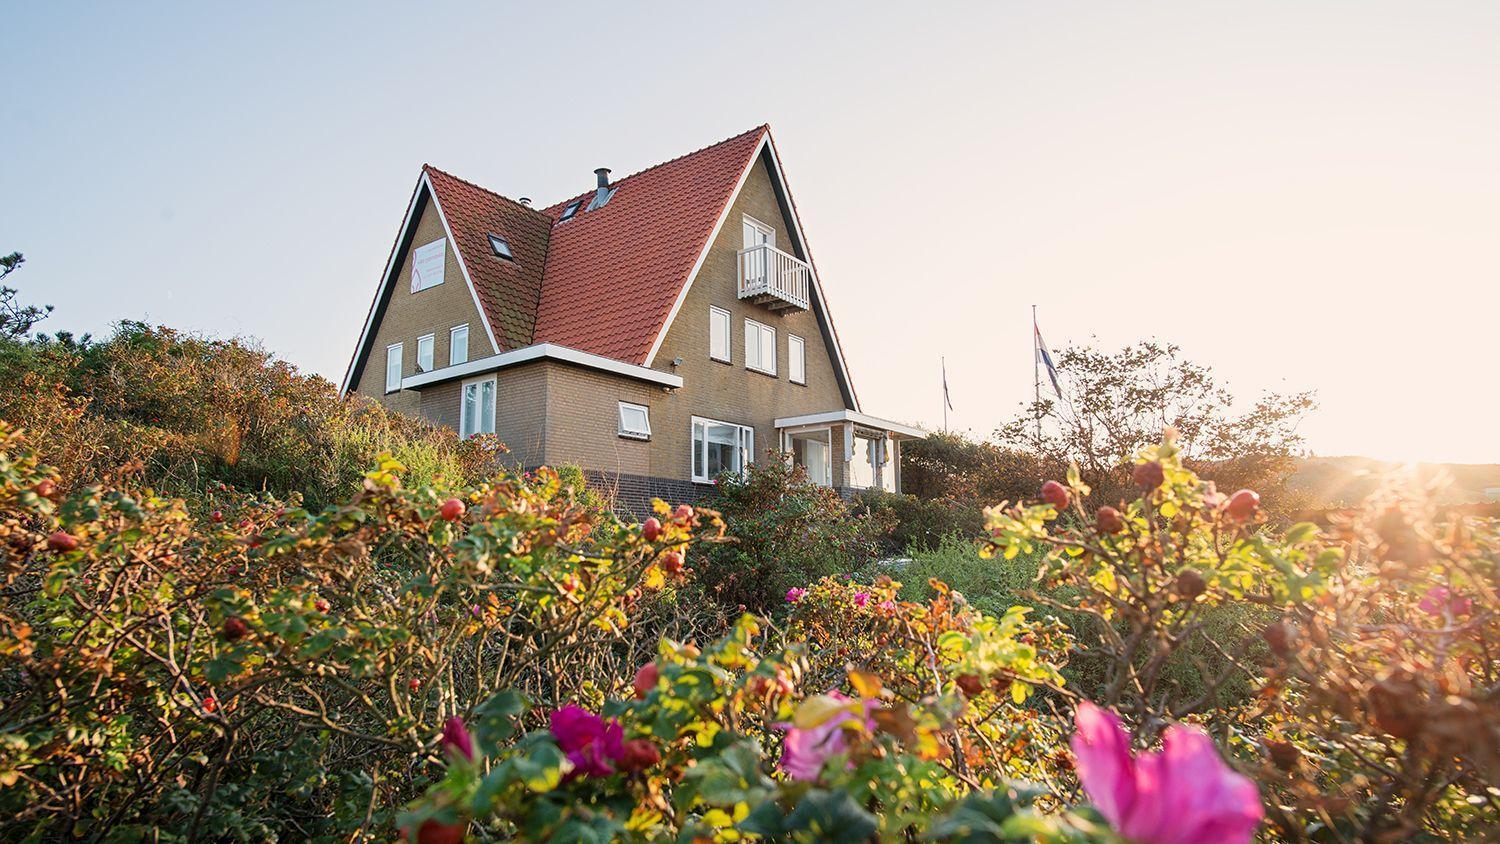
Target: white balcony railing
(773, 278)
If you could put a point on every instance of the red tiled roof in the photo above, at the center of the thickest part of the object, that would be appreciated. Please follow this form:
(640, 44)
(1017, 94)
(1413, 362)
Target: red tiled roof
(509, 291)
(614, 273)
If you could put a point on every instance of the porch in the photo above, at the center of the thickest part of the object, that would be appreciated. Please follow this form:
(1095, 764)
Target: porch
(846, 449)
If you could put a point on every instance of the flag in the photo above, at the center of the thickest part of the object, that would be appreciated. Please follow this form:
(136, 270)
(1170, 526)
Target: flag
(1045, 357)
(948, 402)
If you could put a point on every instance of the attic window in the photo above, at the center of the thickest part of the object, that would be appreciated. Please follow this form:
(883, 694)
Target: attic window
(568, 212)
(500, 247)
(601, 197)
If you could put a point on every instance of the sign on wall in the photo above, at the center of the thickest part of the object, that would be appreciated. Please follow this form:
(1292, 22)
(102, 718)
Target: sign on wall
(427, 264)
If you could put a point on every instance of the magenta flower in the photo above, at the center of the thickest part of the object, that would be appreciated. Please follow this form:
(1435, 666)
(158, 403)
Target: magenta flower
(861, 598)
(1440, 598)
(456, 739)
(887, 605)
(1182, 794)
(795, 594)
(589, 742)
(818, 732)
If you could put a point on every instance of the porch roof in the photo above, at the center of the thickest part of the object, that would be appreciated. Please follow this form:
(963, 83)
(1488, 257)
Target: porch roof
(854, 416)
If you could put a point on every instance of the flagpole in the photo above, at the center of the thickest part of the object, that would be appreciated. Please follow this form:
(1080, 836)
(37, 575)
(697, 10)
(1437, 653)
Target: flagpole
(943, 361)
(1036, 373)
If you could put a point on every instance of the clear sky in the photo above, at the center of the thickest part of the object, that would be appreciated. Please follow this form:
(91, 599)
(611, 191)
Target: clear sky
(1303, 195)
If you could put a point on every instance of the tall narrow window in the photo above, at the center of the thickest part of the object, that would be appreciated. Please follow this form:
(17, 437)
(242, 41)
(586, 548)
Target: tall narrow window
(720, 447)
(796, 359)
(458, 345)
(425, 345)
(760, 347)
(477, 411)
(812, 450)
(393, 367)
(718, 334)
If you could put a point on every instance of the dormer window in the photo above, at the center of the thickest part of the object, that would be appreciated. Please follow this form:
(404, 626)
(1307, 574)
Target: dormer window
(570, 211)
(500, 247)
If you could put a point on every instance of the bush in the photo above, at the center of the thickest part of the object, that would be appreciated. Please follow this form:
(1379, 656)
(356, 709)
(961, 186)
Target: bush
(783, 531)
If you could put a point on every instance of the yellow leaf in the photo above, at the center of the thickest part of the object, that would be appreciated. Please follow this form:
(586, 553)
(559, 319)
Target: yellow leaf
(866, 685)
(817, 710)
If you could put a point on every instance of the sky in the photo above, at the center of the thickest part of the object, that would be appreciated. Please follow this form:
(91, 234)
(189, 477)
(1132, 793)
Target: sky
(1301, 195)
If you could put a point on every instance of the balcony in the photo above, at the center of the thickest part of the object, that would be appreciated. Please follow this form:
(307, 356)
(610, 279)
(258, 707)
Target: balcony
(773, 278)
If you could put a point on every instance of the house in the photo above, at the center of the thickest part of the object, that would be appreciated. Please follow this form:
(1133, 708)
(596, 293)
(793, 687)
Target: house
(656, 330)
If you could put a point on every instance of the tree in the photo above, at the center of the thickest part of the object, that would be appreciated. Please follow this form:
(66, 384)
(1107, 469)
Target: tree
(1115, 404)
(16, 319)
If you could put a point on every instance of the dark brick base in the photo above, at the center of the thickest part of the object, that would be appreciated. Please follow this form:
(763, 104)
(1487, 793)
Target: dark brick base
(632, 494)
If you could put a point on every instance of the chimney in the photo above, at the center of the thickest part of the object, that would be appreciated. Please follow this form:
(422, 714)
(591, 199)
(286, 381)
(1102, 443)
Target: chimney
(525, 200)
(603, 192)
(603, 174)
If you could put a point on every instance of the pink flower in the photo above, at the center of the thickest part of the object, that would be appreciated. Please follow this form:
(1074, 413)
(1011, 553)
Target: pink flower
(589, 742)
(1182, 794)
(456, 739)
(1439, 598)
(817, 733)
(887, 605)
(861, 598)
(795, 594)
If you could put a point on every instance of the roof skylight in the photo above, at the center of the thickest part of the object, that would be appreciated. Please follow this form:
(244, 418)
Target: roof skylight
(500, 247)
(568, 212)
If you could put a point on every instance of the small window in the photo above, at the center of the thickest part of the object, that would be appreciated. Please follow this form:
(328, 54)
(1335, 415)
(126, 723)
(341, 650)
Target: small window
(393, 367)
(720, 447)
(428, 263)
(718, 334)
(425, 344)
(458, 345)
(760, 347)
(635, 421)
(796, 359)
(477, 408)
(568, 212)
(500, 247)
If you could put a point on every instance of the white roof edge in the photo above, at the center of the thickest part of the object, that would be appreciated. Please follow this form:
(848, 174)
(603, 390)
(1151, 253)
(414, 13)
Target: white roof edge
(850, 416)
(541, 351)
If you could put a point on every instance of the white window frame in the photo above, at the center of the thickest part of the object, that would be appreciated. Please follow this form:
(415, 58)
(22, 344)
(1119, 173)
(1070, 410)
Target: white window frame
(751, 222)
(626, 430)
(715, 314)
(796, 359)
(453, 333)
(393, 373)
(791, 457)
(430, 341)
(746, 447)
(463, 418)
(762, 331)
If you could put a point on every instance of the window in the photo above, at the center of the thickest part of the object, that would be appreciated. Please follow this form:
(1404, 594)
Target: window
(760, 347)
(757, 233)
(393, 367)
(718, 334)
(477, 408)
(425, 345)
(427, 264)
(635, 421)
(568, 212)
(500, 247)
(720, 447)
(873, 462)
(813, 451)
(796, 359)
(458, 345)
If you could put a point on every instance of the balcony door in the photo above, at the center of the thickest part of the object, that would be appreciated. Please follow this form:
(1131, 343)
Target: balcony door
(757, 263)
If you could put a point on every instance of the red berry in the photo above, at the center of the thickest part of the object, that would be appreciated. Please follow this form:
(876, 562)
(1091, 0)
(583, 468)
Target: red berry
(1284, 754)
(322, 605)
(62, 542)
(217, 516)
(645, 679)
(683, 513)
(638, 755)
(414, 684)
(452, 510)
(1148, 476)
(1190, 584)
(671, 562)
(1108, 520)
(434, 832)
(235, 628)
(45, 488)
(1279, 637)
(1242, 505)
(651, 530)
(1057, 495)
(970, 683)
(210, 705)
